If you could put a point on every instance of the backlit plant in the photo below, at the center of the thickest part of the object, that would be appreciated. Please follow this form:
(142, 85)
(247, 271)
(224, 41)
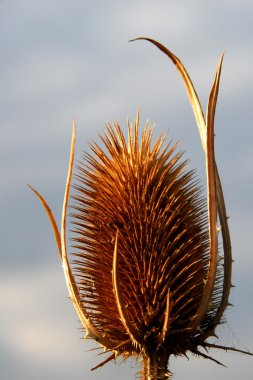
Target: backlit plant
(146, 279)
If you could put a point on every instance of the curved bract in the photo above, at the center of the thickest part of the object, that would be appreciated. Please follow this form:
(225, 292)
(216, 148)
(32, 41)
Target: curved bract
(145, 278)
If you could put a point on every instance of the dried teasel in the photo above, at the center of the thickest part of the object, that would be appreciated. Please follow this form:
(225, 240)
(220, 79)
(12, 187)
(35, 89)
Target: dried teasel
(146, 279)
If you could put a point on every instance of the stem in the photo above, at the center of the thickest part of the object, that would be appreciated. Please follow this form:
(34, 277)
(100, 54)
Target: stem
(155, 367)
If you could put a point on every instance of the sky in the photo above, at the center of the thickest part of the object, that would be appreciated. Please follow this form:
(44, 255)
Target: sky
(62, 59)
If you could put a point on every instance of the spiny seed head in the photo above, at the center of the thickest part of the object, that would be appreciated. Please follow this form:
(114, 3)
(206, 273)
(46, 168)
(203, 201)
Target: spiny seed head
(146, 278)
(143, 193)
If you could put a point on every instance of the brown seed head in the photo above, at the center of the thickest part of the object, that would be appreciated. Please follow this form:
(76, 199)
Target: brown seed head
(143, 195)
(146, 279)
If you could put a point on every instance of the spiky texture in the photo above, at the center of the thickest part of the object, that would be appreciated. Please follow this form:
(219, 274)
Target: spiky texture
(144, 194)
(146, 279)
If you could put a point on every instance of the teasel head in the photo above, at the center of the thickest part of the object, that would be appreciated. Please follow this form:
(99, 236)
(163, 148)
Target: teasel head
(146, 278)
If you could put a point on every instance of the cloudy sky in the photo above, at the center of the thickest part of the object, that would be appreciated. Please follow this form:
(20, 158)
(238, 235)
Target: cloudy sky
(62, 59)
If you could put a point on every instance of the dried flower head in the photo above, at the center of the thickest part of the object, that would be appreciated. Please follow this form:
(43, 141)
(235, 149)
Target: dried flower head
(146, 279)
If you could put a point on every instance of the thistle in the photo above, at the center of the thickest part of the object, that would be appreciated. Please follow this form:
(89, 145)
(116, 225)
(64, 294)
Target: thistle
(146, 278)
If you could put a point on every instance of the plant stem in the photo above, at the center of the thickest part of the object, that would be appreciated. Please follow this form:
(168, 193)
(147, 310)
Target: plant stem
(155, 367)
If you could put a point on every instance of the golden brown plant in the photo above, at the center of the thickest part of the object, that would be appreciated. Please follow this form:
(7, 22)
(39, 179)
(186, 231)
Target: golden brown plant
(146, 279)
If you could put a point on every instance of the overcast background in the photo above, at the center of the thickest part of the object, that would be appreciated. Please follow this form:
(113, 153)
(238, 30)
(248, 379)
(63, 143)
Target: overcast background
(61, 59)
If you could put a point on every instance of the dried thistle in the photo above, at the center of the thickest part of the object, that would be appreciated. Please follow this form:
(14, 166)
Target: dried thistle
(146, 279)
